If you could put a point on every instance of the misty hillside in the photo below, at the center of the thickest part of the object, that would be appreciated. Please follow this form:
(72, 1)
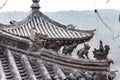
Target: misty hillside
(85, 20)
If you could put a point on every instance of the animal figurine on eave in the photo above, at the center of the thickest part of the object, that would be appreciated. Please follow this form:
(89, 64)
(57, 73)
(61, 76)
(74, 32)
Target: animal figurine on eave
(67, 50)
(102, 52)
(55, 46)
(83, 52)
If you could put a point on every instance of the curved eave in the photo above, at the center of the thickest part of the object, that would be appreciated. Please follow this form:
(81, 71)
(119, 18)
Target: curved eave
(22, 68)
(2, 26)
(68, 41)
(7, 35)
(63, 41)
(47, 26)
(28, 18)
(46, 55)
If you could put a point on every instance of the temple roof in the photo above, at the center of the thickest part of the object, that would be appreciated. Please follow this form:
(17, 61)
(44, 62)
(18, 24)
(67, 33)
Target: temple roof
(44, 25)
(18, 64)
(22, 65)
(19, 60)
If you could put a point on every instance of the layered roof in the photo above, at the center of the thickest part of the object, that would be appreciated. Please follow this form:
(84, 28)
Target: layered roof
(22, 65)
(44, 25)
(18, 63)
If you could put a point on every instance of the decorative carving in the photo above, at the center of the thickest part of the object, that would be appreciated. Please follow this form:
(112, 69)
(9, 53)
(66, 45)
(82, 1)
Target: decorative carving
(35, 6)
(82, 53)
(35, 1)
(24, 46)
(101, 48)
(71, 77)
(38, 41)
(109, 61)
(102, 52)
(55, 46)
(69, 49)
(100, 76)
(70, 26)
(112, 74)
(13, 23)
(87, 75)
(34, 36)
(15, 43)
(7, 41)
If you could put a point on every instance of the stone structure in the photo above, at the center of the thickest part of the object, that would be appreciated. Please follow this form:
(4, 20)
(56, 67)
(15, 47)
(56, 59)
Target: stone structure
(83, 53)
(69, 49)
(102, 52)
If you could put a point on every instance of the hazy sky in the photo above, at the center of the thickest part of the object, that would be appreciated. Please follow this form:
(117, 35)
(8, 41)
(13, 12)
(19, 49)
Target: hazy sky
(57, 5)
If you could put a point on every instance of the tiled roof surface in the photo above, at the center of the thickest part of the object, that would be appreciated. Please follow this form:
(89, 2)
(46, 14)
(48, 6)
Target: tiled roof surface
(17, 66)
(45, 25)
(18, 63)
